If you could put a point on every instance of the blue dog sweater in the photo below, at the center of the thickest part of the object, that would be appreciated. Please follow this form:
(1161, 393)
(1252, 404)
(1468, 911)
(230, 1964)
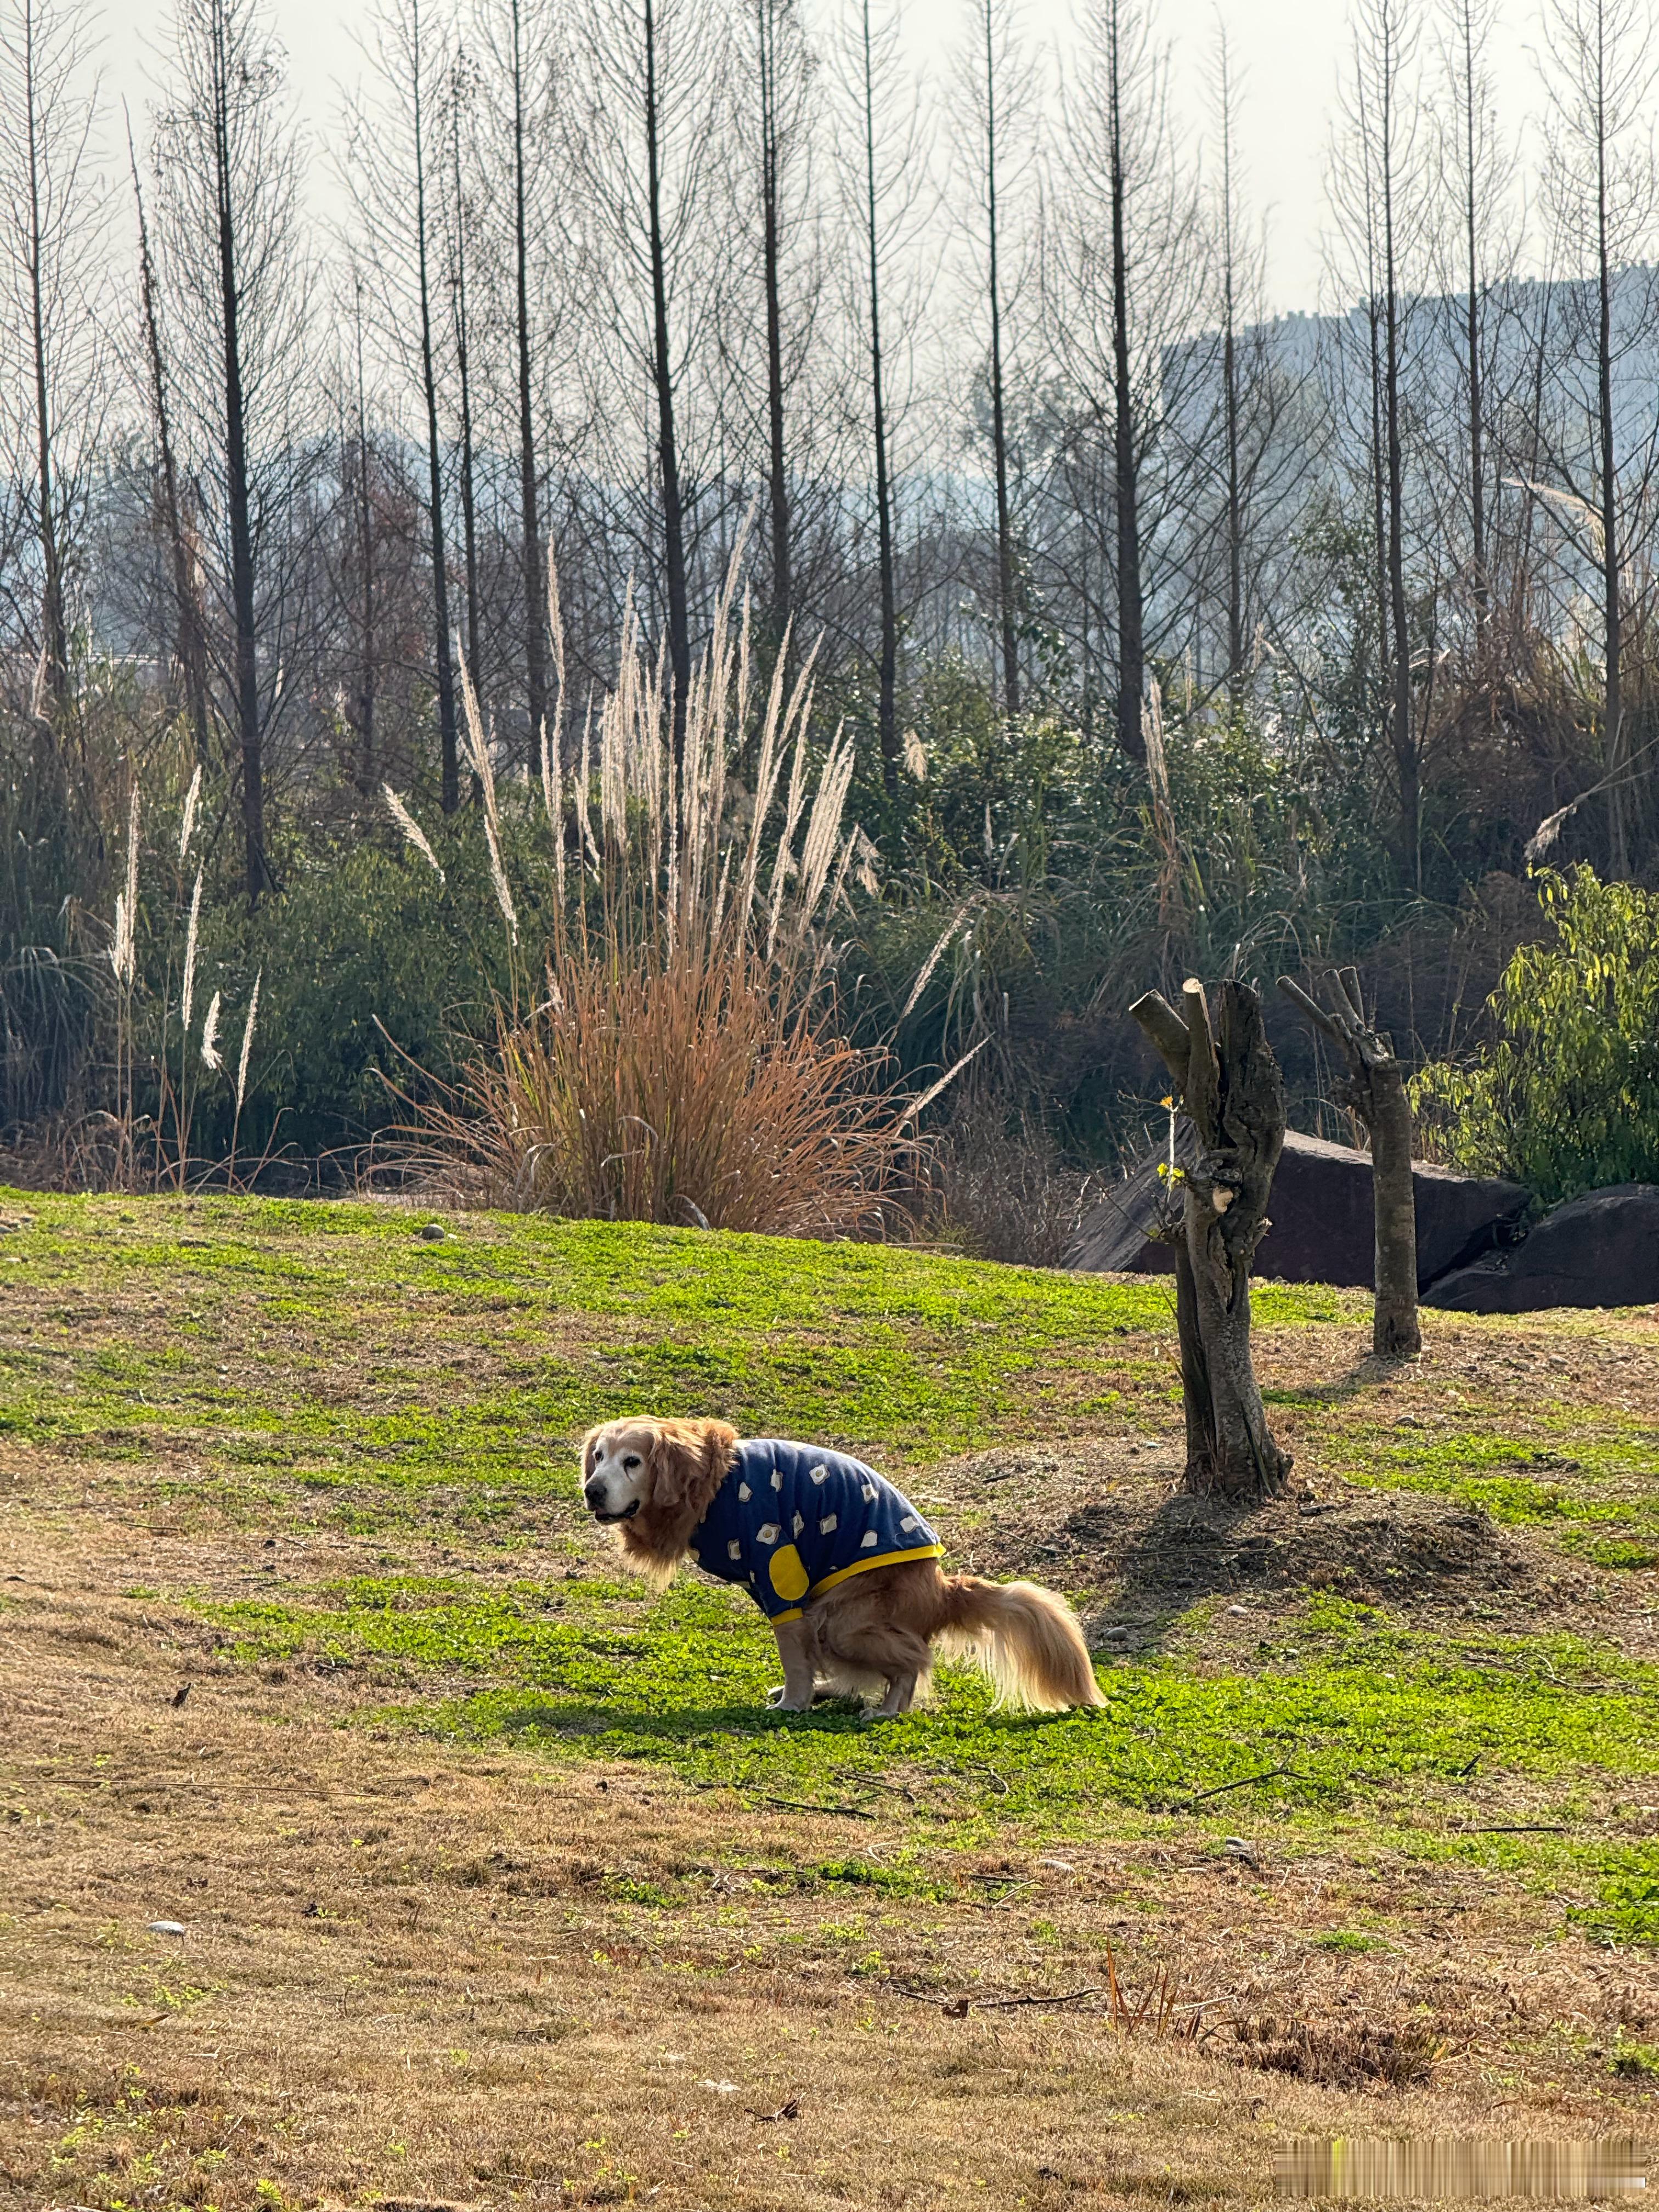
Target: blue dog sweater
(790, 1521)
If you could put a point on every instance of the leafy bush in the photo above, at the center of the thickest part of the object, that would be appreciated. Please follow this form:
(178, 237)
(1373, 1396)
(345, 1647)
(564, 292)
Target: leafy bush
(1567, 1098)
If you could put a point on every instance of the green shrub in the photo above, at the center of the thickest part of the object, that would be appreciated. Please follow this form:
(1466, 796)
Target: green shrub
(1567, 1098)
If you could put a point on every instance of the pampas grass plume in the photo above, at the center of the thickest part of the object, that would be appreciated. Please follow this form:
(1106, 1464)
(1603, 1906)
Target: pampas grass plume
(123, 951)
(211, 1058)
(248, 1042)
(188, 825)
(411, 829)
(189, 993)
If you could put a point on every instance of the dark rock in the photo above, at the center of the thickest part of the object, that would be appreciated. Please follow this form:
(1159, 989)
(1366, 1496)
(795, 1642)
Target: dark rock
(1601, 1250)
(1321, 1212)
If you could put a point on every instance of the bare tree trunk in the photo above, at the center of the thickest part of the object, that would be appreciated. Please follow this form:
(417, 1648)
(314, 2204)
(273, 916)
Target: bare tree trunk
(673, 511)
(256, 873)
(1130, 610)
(535, 566)
(1229, 386)
(448, 770)
(191, 634)
(1228, 1085)
(1612, 606)
(771, 248)
(367, 670)
(1007, 606)
(1401, 731)
(452, 789)
(887, 702)
(1477, 458)
(53, 624)
(1373, 1085)
(1379, 496)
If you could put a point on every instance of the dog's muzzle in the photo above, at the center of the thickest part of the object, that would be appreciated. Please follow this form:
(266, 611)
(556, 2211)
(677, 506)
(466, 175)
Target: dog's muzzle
(593, 1496)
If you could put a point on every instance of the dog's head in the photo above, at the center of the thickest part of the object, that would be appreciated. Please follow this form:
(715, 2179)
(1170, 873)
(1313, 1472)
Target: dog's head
(619, 1468)
(653, 1481)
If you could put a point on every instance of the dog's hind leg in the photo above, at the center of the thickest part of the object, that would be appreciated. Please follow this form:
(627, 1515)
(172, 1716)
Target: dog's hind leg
(900, 1694)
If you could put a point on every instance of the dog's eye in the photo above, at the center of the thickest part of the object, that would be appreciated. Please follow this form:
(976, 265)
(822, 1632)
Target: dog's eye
(632, 1459)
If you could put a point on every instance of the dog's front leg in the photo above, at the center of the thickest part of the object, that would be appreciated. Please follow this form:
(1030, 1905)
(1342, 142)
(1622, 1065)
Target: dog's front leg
(800, 1674)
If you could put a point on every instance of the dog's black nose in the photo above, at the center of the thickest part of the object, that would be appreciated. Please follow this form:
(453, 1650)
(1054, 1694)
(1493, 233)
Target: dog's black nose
(593, 1491)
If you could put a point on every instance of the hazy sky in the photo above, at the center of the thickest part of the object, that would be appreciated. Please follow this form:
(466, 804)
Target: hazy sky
(1290, 51)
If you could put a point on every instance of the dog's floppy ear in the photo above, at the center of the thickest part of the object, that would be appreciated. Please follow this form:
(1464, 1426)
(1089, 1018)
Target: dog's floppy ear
(688, 1462)
(675, 1466)
(588, 1442)
(719, 1441)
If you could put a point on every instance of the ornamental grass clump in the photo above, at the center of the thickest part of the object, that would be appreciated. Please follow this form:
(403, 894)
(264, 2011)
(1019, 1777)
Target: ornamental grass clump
(682, 1060)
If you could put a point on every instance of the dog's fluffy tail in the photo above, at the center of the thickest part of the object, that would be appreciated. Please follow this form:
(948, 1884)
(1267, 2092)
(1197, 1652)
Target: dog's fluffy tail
(1026, 1639)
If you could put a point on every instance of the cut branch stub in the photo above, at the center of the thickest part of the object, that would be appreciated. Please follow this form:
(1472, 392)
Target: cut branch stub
(1168, 1033)
(1228, 1084)
(1372, 1084)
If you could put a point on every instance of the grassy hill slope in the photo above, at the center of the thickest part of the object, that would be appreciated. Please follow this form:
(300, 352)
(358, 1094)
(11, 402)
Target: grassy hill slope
(1373, 1801)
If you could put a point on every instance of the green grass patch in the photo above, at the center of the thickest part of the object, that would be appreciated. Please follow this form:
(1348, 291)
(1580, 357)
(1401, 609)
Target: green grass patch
(322, 1344)
(1626, 1908)
(1356, 1722)
(1617, 1551)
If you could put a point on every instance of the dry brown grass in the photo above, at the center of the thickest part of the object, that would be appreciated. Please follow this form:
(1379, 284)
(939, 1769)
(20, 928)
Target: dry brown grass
(414, 1973)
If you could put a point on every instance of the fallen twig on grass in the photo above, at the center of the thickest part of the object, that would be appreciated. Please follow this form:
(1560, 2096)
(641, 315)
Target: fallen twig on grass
(800, 1805)
(789, 1804)
(1268, 1774)
(898, 1789)
(1518, 1828)
(1008, 2004)
(959, 2007)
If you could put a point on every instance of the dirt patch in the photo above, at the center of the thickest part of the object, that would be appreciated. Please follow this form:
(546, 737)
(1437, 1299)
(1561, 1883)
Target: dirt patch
(1112, 1521)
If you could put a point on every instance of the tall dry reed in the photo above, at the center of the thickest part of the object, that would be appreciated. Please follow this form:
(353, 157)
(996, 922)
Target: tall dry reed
(680, 1058)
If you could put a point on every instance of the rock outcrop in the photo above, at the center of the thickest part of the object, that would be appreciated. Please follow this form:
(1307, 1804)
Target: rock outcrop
(1321, 1210)
(1601, 1250)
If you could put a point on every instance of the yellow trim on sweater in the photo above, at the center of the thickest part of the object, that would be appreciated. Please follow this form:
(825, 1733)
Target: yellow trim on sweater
(793, 1614)
(863, 1566)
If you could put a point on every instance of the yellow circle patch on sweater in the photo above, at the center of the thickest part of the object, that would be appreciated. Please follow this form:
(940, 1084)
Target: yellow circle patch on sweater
(788, 1576)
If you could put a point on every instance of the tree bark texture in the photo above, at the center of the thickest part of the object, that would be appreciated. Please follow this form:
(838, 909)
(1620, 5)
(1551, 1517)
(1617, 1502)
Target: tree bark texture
(238, 498)
(1228, 1083)
(191, 634)
(772, 249)
(1477, 459)
(887, 696)
(53, 620)
(1373, 1085)
(1006, 609)
(448, 768)
(535, 567)
(673, 508)
(1612, 601)
(450, 797)
(1130, 610)
(1401, 728)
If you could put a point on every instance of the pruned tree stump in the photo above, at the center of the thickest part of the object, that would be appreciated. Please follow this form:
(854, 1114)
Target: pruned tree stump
(1372, 1084)
(1227, 1082)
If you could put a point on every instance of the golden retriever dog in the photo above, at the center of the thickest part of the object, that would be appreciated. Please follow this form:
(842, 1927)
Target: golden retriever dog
(842, 1564)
